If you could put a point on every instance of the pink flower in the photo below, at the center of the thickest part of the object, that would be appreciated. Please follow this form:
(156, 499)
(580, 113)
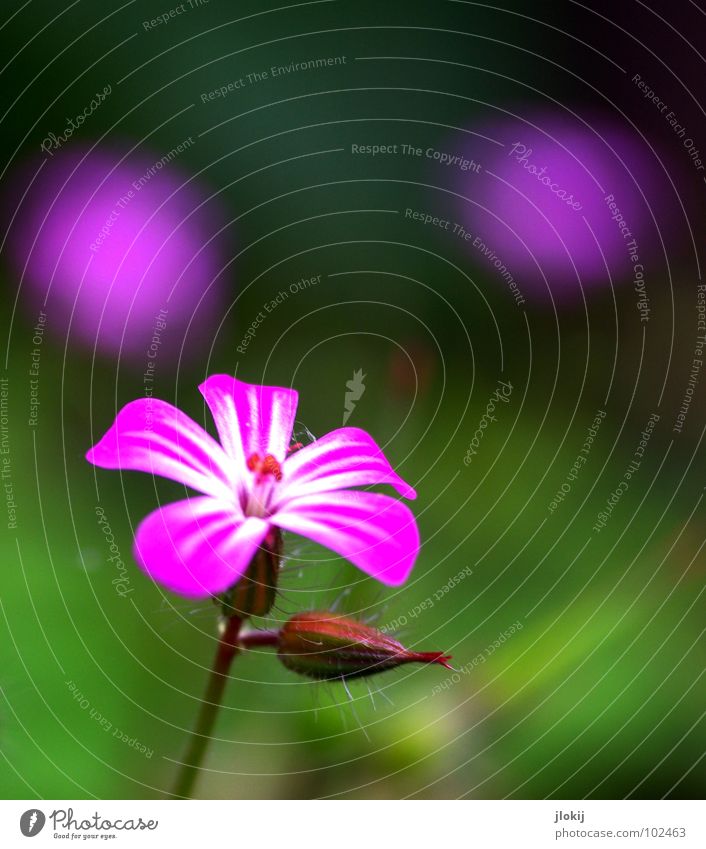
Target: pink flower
(251, 484)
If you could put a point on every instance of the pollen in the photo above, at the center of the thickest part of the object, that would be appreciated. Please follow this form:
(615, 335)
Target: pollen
(263, 467)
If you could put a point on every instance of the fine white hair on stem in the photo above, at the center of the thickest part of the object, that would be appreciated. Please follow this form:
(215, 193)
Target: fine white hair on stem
(353, 710)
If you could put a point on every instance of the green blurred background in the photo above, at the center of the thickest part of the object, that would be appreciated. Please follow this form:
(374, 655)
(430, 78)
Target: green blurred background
(599, 693)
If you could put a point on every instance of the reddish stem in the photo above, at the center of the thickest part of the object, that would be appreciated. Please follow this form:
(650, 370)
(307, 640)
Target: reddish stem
(254, 639)
(226, 651)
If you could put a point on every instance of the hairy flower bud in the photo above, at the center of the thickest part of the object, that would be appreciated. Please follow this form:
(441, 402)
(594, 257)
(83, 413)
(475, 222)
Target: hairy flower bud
(327, 646)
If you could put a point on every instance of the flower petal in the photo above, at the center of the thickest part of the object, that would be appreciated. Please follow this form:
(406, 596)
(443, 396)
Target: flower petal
(197, 547)
(345, 457)
(149, 435)
(250, 419)
(375, 532)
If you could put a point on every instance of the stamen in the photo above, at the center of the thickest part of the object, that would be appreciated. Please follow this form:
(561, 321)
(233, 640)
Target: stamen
(268, 466)
(264, 470)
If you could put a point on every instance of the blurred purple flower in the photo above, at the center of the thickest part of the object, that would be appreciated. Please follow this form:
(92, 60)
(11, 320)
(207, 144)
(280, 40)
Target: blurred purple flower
(542, 203)
(109, 244)
(250, 484)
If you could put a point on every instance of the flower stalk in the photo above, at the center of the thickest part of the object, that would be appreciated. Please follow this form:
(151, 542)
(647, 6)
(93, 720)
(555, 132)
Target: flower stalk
(200, 736)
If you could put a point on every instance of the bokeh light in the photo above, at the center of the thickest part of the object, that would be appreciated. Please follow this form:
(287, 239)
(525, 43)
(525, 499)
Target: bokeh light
(566, 204)
(116, 246)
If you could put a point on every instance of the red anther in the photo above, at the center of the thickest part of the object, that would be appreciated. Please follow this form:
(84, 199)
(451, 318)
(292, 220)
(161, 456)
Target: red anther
(295, 446)
(268, 466)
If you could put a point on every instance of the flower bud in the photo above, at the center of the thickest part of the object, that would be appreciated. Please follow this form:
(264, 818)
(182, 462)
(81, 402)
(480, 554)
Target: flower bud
(327, 646)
